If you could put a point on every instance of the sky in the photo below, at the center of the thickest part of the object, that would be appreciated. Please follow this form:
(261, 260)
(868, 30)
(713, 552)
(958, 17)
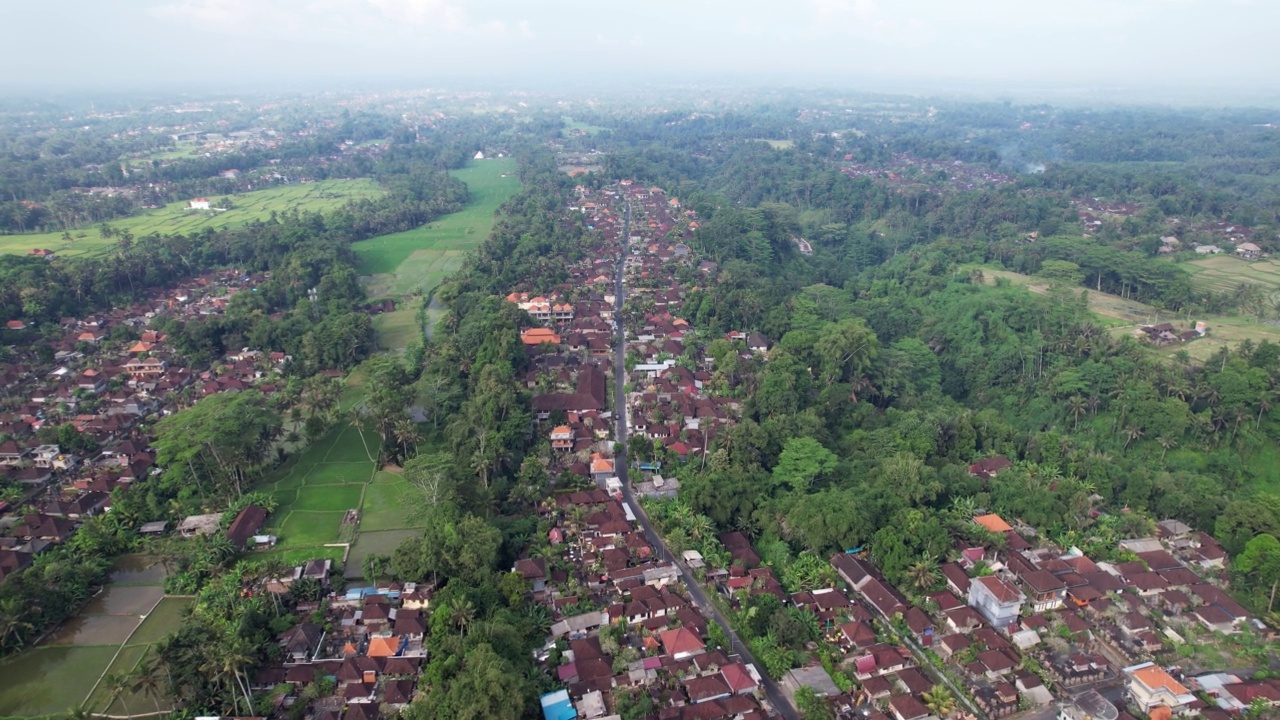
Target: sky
(233, 44)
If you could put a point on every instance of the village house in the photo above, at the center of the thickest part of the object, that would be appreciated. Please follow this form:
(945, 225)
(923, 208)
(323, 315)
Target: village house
(1150, 687)
(996, 600)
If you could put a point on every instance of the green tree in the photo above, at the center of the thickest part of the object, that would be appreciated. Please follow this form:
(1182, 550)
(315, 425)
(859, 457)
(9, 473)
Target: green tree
(803, 461)
(811, 706)
(846, 350)
(940, 700)
(1257, 569)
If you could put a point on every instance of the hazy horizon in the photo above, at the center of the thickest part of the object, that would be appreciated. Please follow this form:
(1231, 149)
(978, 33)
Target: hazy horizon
(1200, 48)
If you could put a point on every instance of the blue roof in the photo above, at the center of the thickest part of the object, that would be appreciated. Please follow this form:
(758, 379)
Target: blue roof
(556, 706)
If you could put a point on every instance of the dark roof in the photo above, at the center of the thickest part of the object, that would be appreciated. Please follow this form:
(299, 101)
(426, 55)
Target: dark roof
(1042, 581)
(246, 525)
(999, 589)
(957, 576)
(987, 468)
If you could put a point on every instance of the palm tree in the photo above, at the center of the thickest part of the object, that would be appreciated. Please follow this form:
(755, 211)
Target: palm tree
(406, 434)
(1076, 405)
(461, 613)
(700, 527)
(236, 658)
(1165, 444)
(13, 622)
(1132, 433)
(116, 686)
(274, 569)
(923, 572)
(940, 700)
(357, 417)
(148, 678)
(1266, 401)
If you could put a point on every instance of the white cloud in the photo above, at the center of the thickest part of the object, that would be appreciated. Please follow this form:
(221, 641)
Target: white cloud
(525, 30)
(747, 28)
(238, 16)
(433, 13)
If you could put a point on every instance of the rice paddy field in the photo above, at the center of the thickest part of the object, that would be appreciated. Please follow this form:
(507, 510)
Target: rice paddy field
(415, 262)
(316, 492)
(176, 218)
(109, 637)
(418, 260)
(1224, 273)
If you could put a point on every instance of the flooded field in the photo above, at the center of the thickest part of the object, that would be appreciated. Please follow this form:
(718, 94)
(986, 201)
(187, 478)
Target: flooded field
(137, 570)
(110, 633)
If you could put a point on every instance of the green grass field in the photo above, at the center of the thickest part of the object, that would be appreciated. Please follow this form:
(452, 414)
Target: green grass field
(571, 124)
(1123, 316)
(387, 504)
(419, 259)
(175, 218)
(383, 542)
(396, 330)
(161, 621)
(315, 490)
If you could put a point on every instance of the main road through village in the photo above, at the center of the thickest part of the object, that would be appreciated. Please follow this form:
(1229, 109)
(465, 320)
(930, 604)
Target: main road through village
(700, 599)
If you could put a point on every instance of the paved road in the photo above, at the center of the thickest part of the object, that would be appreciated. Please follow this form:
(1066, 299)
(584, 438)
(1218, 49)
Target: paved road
(771, 690)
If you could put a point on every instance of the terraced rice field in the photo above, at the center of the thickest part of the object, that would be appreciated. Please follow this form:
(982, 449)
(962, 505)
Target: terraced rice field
(315, 493)
(1223, 273)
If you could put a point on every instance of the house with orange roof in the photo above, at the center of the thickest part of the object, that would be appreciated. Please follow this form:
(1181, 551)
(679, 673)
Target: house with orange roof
(681, 643)
(601, 468)
(993, 523)
(1151, 687)
(140, 347)
(383, 646)
(562, 438)
(538, 336)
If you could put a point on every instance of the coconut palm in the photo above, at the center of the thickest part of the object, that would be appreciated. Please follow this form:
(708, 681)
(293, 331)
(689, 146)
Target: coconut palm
(1132, 433)
(461, 613)
(357, 417)
(149, 678)
(940, 700)
(116, 685)
(701, 527)
(1076, 406)
(13, 622)
(923, 572)
(406, 434)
